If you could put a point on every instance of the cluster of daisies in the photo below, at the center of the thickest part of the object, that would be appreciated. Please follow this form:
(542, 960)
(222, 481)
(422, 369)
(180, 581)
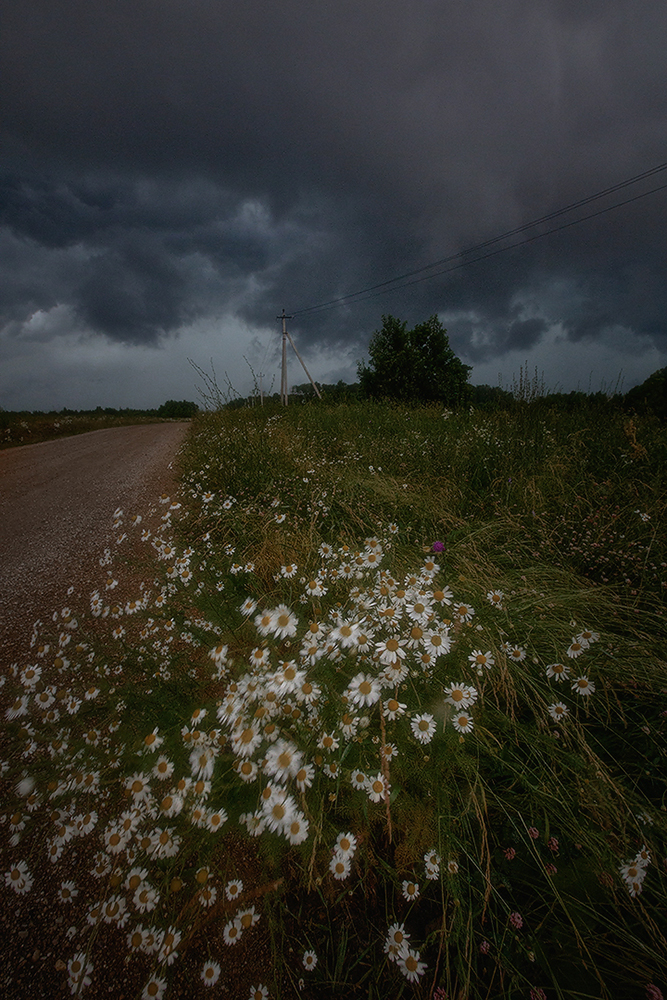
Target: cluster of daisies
(581, 684)
(633, 872)
(309, 701)
(397, 949)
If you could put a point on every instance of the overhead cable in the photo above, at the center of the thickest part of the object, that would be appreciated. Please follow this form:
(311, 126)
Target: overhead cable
(401, 281)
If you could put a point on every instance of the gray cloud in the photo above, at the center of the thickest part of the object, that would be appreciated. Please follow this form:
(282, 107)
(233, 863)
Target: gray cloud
(167, 162)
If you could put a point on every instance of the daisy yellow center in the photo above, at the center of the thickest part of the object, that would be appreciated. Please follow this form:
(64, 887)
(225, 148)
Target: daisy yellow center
(344, 844)
(377, 786)
(423, 725)
(411, 964)
(285, 759)
(247, 736)
(246, 767)
(137, 786)
(365, 687)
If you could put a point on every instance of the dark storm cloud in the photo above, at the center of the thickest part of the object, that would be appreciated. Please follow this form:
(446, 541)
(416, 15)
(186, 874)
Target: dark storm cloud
(168, 159)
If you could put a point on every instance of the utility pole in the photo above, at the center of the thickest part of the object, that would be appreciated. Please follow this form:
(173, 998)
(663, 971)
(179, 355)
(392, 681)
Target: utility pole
(283, 377)
(283, 381)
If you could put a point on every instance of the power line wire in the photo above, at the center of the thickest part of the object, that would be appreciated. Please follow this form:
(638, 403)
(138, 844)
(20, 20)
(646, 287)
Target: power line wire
(381, 287)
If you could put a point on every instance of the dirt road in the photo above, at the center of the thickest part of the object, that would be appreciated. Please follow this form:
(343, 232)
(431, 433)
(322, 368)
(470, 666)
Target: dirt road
(57, 500)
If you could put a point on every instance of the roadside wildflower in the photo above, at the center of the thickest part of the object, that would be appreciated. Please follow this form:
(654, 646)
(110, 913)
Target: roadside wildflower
(462, 722)
(232, 932)
(154, 988)
(309, 960)
(410, 965)
(423, 727)
(396, 941)
(410, 890)
(234, 889)
(19, 878)
(558, 671)
(583, 686)
(210, 973)
(78, 972)
(339, 866)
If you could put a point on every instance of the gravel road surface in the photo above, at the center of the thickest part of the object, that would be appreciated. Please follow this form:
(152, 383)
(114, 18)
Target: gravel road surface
(57, 500)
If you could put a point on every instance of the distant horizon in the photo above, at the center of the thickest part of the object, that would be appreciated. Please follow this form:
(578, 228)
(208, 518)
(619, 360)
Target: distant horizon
(608, 389)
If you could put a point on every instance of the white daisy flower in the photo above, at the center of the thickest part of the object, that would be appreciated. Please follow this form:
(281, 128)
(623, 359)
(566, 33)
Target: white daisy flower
(309, 960)
(339, 866)
(210, 973)
(364, 689)
(462, 722)
(423, 727)
(410, 890)
(558, 711)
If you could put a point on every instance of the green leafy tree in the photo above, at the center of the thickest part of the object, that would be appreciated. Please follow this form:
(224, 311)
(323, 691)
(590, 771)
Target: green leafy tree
(178, 409)
(415, 365)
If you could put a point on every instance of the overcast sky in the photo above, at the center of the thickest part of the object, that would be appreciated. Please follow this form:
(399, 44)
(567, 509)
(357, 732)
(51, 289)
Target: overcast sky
(176, 172)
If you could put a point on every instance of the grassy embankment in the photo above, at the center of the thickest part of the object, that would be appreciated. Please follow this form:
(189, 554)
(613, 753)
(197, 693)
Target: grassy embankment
(489, 729)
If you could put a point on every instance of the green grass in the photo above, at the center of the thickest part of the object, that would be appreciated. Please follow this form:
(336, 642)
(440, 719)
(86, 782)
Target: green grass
(532, 816)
